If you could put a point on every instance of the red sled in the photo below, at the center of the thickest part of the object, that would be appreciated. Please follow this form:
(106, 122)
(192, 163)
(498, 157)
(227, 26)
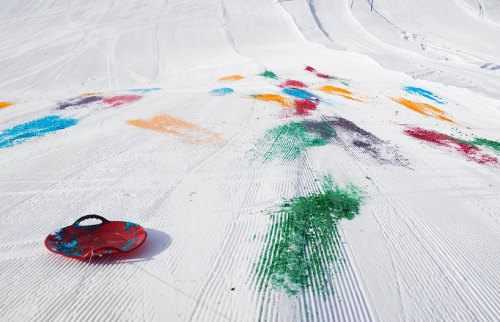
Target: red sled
(106, 238)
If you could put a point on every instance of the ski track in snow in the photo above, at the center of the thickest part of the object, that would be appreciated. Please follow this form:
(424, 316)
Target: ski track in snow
(424, 245)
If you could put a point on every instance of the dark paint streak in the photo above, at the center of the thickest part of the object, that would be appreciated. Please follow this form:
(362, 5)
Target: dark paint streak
(356, 139)
(78, 101)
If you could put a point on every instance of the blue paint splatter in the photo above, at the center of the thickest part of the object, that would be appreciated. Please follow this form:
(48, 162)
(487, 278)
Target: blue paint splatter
(144, 90)
(129, 225)
(129, 243)
(222, 91)
(300, 93)
(424, 93)
(70, 248)
(36, 128)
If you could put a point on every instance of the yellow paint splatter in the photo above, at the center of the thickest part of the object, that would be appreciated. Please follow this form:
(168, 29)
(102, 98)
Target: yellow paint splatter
(188, 131)
(340, 92)
(273, 98)
(5, 104)
(90, 94)
(423, 108)
(232, 77)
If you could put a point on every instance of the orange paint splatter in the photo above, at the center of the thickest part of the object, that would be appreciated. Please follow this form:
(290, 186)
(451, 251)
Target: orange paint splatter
(339, 91)
(91, 94)
(273, 98)
(423, 108)
(5, 104)
(232, 77)
(188, 131)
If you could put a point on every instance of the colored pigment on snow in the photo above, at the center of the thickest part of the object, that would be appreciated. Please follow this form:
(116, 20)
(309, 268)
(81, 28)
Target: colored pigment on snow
(472, 152)
(78, 102)
(423, 108)
(269, 74)
(304, 107)
(222, 91)
(302, 94)
(36, 128)
(301, 107)
(320, 75)
(232, 77)
(339, 91)
(288, 141)
(188, 131)
(493, 145)
(283, 101)
(120, 100)
(5, 104)
(424, 93)
(303, 245)
(357, 140)
(290, 83)
(144, 90)
(91, 94)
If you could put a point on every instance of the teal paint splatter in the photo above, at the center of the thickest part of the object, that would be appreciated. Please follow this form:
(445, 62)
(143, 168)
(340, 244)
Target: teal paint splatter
(269, 74)
(288, 141)
(70, 248)
(303, 244)
(222, 91)
(341, 80)
(424, 93)
(144, 90)
(37, 128)
(129, 225)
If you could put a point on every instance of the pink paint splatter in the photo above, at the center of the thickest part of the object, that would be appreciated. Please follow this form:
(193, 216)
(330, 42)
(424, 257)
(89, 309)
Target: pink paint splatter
(320, 75)
(470, 151)
(121, 99)
(290, 83)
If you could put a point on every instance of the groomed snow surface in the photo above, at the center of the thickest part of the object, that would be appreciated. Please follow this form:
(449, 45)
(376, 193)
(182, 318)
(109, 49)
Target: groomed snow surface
(290, 160)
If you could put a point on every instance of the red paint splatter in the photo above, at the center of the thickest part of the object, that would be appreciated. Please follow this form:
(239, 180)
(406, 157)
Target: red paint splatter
(472, 152)
(293, 84)
(312, 70)
(122, 99)
(304, 107)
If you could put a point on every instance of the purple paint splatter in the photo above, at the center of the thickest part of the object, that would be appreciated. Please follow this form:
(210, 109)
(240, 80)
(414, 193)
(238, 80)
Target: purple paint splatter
(78, 101)
(356, 139)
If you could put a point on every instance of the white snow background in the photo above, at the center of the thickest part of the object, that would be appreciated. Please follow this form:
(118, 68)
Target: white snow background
(425, 245)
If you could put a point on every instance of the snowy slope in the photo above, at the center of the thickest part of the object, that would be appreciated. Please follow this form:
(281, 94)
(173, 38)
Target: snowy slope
(214, 123)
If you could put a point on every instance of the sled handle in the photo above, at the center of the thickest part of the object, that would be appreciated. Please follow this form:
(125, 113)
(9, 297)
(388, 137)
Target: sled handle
(92, 216)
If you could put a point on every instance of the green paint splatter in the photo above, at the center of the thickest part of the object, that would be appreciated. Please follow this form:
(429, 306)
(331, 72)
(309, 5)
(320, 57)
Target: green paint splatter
(269, 74)
(341, 80)
(483, 142)
(303, 244)
(288, 141)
